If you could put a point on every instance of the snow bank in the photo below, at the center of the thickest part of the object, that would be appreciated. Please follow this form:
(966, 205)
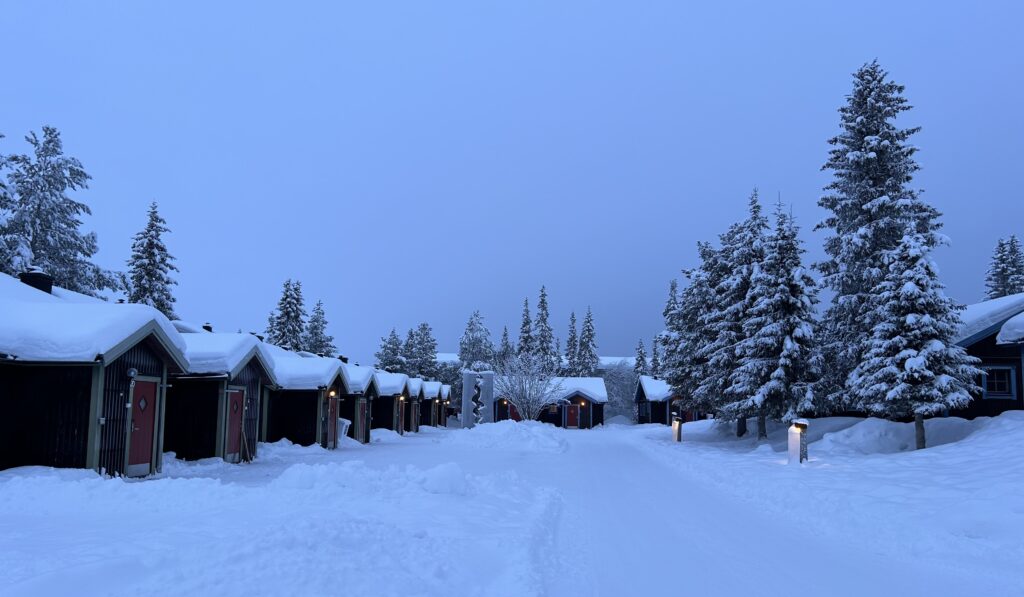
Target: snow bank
(522, 436)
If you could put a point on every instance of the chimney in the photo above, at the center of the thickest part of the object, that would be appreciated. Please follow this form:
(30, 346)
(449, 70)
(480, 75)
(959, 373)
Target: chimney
(38, 279)
(208, 326)
(344, 359)
(120, 301)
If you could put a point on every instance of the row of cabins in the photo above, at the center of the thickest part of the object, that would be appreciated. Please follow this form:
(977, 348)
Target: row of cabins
(992, 331)
(85, 383)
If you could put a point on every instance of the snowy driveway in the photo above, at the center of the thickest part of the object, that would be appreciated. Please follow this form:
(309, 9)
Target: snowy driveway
(502, 510)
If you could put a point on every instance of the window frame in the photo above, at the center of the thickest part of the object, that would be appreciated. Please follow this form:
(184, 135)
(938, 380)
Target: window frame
(985, 395)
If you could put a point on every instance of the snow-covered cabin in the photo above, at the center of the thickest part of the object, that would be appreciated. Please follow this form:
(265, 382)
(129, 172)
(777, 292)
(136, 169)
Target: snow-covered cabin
(993, 331)
(361, 390)
(445, 406)
(213, 407)
(82, 381)
(302, 407)
(431, 405)
(653, 399)
(388, 409)
(578, 404)
(414, 394)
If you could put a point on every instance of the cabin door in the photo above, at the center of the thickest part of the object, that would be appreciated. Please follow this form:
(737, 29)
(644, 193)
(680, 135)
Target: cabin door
(233, 439)
(143, 430)
(400, 428)
(332, 423)
(572, 415)
(363, 424)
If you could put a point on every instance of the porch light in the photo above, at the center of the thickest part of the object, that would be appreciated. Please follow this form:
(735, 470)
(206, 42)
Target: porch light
(332, 393)
(798, 441)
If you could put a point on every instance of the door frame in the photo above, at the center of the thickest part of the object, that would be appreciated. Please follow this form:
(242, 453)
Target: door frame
(225, 428)
(154, 452)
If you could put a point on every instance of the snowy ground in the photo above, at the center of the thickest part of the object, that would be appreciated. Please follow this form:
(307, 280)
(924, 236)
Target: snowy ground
(528, 509)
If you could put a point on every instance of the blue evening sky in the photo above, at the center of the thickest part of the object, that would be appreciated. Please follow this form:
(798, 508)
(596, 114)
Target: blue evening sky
(413, 161)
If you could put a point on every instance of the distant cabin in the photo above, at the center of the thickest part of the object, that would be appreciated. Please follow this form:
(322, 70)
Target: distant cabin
(432, 405)
(579, 404)
(302, 406)
(993, 331)
(213, 408)
(411, 412)
(388, 409)
(356, 403)
(653, 398)
(82, 381)
(444, 408)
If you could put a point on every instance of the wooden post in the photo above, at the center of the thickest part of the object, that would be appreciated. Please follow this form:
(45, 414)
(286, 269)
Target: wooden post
(919, 430)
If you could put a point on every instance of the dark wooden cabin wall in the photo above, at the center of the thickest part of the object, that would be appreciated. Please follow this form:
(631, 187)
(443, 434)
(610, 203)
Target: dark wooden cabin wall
(45, 419)
(383, 413)
(990, 353)
(292, 415)
(190, 430)
(116, 385)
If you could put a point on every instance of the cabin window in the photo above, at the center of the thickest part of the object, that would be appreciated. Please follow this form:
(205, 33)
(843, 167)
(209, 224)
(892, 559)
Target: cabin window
(999, 383)
(553, 409)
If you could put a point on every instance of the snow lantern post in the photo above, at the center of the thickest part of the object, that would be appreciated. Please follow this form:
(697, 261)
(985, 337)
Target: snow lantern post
(487, 396)
(470, 383)
(677, 428)
(798, 441)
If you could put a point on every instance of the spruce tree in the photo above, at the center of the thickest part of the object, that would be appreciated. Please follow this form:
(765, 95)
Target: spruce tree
(913, 366)
(996, 278)
(8, 246)
(1014, 266)
(389, 357)
(287, 324)
(42, 226)
(640, 367)
(871, 202)
(315, 338)
(586, 357)
(655, 357)
(543, 335)
(425, 352)
(778, 362)
(410, 355)
(150, 267)
(526, 330)
(476, 351)
(506, 349)
(742, 249)
(572, 347)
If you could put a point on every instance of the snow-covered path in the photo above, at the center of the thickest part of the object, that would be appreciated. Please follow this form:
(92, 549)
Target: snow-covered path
(502, 510)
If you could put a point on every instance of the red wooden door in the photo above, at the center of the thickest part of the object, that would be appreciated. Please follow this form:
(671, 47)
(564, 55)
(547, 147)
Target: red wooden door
(401, 417)
(572, 415)
(362, 423)
(236, 409)
(514, 412)
(332, 423)
(140, 452)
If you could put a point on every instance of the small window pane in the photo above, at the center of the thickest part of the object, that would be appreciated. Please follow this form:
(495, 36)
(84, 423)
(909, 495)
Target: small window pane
(998, 382)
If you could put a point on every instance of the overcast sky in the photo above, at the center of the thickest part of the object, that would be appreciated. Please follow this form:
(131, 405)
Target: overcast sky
(415, 161)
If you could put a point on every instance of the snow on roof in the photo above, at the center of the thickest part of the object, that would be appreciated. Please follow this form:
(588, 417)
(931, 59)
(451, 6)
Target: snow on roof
(295, 372)
(656, 390)
(186, 327)
(71, 296)
(592, 388)
(980, 317)
(1012, 331)
(49, 329)
(446, 391)
(358, 377)
(222, 353)
(390, 384)
(12, 288)
(431, 390)
(415, 384)
(448, 357)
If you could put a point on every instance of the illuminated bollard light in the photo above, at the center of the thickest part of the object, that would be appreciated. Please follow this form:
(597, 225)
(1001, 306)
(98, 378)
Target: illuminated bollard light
(798, 441)
(677, 428)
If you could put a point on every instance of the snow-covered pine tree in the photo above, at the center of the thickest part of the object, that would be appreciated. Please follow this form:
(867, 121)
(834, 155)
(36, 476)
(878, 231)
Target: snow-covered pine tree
(287, 323)
(526, 330)
(476, 351)
(543, 335)
(913, 366)
(742, 249)
(506, 349)
(997, 278)
(315, 339)
(1014, 266)
(424, 352)
(150, 267)
(869, 199)
(655, 358)
(778, 362)
(389, 357)
(586, 356)
(7, 251)
(572, 344)
(42, 227)
(640, 366)
(409, 355)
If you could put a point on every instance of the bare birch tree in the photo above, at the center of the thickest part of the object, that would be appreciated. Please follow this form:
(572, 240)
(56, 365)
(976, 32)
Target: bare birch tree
(529, 382)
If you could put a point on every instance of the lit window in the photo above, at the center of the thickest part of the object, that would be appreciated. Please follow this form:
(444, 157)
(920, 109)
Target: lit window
(1000, 383)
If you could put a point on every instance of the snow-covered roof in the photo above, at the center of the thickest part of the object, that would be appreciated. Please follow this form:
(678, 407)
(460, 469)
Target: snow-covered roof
(592, 388)
(224, 353)
(295, 372)
(448, 357)
(656, 390)
(981, 319)
(358, 377)
(446, 391)
(431, 390)
(37, 326)
(1012, 331)
(415, 384)
(187, 327)
(390, 384)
